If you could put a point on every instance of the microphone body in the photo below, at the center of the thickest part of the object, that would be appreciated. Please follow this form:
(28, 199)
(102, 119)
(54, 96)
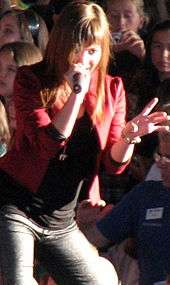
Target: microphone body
(76, 80)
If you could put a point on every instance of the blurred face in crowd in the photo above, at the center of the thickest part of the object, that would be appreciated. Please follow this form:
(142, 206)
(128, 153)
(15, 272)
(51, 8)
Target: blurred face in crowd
(160, 53)
(163, 158)
(9, 30)
(8, 69)
(123, 15)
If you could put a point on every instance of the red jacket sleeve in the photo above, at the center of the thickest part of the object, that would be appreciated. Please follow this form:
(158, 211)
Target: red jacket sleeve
(118, 106)
(33, 121)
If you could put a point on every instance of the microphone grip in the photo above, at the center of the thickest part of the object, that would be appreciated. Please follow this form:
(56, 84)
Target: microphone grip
(76, 83)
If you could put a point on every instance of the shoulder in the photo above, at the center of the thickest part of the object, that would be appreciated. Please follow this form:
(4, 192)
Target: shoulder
(147, 188)
(115, 92)
(114, 85)
(113, 80)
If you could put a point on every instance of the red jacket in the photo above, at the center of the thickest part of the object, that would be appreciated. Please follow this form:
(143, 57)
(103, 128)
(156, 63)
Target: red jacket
(28, 159)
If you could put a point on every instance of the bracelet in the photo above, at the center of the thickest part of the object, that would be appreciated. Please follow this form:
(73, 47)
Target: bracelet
(129, 140)
(54, 133)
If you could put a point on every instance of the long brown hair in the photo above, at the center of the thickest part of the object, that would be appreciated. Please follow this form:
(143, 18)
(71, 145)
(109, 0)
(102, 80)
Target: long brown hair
(78, 25)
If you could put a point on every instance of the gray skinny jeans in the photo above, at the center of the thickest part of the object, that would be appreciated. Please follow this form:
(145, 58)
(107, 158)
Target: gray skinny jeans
(65, 254)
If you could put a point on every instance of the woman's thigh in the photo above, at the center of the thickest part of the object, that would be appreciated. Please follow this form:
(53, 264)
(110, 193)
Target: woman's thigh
(71, 260)
(16, 252)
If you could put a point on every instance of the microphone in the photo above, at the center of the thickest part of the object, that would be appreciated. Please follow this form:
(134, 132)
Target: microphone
(76, 80)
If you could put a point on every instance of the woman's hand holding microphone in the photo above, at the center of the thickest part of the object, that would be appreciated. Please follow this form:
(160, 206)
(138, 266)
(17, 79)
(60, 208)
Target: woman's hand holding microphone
(78, 77)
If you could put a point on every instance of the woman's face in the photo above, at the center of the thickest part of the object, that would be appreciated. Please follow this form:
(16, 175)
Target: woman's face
(8, 69)
(160, 53)
(164, 164)
(88, 56)
(123, 16)
(9, 30)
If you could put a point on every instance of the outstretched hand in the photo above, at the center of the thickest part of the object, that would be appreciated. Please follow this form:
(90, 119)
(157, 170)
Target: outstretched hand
(146, 122)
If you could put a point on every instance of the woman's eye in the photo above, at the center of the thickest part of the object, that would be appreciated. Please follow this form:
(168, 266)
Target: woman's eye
(92, 51)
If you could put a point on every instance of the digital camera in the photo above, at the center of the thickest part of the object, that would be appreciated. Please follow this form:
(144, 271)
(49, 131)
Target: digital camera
(116, 36)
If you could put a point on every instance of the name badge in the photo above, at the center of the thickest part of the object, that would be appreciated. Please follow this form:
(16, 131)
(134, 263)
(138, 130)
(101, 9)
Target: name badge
(160, 283)
(154, 213)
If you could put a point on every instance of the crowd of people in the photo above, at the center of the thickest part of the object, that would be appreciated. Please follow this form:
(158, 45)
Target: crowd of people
(85, 143)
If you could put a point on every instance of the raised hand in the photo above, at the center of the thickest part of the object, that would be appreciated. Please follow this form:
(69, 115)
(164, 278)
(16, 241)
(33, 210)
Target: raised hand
(145, 123)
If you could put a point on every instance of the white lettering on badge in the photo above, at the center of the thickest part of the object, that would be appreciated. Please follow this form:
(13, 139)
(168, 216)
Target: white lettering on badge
(154, 213)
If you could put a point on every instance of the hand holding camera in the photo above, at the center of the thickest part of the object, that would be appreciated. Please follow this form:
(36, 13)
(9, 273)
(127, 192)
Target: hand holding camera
(129, 40)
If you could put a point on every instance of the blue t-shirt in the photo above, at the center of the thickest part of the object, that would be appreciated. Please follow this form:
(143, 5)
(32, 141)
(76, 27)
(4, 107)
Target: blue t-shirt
(144, 213)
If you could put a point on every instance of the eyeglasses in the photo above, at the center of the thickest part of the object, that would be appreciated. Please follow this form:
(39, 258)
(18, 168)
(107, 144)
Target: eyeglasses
(158, 156)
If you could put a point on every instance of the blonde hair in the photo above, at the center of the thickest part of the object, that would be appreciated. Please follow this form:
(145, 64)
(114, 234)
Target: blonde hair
(140, 6)
(24, 53)
(77, 26)
(4, 126)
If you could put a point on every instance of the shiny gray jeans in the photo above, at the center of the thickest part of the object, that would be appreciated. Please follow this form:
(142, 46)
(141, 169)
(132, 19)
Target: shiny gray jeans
(65, 254)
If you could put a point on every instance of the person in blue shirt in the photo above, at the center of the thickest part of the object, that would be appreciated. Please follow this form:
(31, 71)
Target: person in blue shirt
(143, 214)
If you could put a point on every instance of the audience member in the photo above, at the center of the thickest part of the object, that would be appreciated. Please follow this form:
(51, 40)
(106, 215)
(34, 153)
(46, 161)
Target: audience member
(4, 6)
(143, 214)
(163, 94)
(128, 22)
(149, 82)
(157, 64)
(127, 19)
(25, 26)
(12, 56)
(47, 9)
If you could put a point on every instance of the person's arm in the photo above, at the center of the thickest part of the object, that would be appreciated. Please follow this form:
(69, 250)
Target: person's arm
(143, 124)
(65, 119)
(95, 236)
(122, 136)
(122, 221)
(86, 216)
(45, 136)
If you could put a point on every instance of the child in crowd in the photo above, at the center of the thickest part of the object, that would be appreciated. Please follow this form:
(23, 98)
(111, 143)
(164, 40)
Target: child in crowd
(12, 56)
(25, 26)
(156, 65)
(153, 80)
